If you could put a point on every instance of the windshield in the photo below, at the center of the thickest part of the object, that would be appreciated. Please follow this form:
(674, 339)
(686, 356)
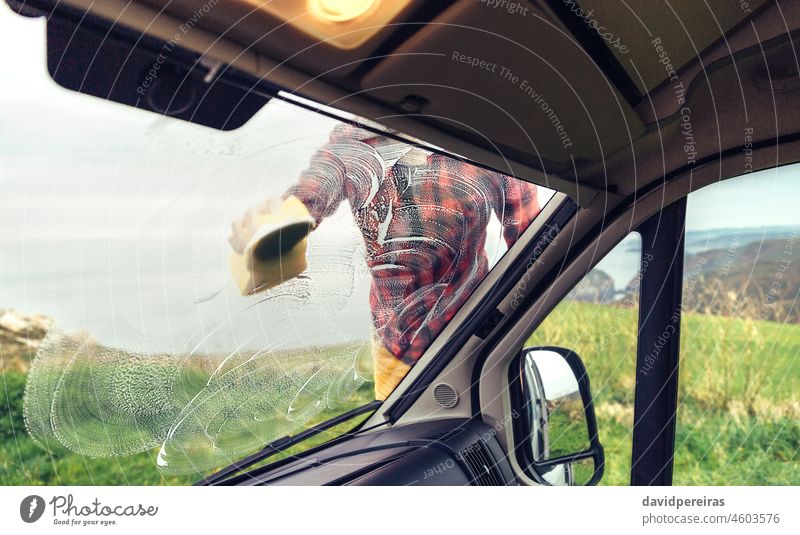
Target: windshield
(199, 293)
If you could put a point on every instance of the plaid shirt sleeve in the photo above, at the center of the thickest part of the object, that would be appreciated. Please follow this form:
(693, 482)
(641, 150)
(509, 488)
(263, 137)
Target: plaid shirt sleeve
(324, 185)
(517, 207)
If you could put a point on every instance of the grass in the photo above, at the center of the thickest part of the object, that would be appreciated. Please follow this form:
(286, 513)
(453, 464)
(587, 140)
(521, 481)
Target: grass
(23, 462)
(739, 410)
(738, 421)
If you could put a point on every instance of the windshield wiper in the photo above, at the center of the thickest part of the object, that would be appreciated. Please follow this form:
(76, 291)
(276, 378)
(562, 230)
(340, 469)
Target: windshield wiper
(284, 443)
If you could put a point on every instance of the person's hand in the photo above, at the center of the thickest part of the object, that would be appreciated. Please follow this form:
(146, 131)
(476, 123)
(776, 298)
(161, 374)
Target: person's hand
(243, 228)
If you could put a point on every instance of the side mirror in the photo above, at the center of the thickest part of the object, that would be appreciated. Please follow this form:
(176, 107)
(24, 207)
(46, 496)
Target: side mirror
(556, 433)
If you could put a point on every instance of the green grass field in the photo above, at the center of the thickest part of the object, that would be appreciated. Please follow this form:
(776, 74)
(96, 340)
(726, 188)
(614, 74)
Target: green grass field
(22, 462)
(739, 414)
(739, 400)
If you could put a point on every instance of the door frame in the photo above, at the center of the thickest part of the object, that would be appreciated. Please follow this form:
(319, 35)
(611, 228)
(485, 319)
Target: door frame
(658, 345)
(589, 237)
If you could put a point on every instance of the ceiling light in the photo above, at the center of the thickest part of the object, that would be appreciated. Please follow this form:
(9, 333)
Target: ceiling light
(340, 10)
(343, 24)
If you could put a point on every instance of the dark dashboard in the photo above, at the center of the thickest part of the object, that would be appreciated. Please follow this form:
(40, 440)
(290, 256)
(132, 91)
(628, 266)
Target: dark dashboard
(442, 452)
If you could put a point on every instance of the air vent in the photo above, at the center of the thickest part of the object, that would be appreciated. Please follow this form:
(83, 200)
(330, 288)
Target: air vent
(480, 463)
(445, 395)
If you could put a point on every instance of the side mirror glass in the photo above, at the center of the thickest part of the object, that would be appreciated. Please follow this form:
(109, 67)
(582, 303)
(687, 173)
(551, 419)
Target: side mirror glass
(556, 437)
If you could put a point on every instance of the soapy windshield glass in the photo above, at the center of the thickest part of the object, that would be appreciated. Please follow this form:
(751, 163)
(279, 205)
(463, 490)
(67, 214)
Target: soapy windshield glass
(124, 259)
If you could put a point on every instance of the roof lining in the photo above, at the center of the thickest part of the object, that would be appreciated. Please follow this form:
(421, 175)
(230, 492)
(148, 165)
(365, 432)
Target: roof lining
(594, 45)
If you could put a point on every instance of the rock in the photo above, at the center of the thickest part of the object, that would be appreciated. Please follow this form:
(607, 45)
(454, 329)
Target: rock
(20, 337)
(596, 287)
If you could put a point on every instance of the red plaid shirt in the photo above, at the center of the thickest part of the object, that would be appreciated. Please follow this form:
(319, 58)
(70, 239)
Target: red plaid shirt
(423, 217)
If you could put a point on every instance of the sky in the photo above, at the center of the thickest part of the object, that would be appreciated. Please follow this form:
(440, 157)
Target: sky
(766, 198)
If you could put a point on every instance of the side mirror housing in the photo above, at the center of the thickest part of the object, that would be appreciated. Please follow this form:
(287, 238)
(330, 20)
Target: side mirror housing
(555, 436)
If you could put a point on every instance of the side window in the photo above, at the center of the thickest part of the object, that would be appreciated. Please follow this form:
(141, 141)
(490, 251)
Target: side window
(738, 413)
(598, 321)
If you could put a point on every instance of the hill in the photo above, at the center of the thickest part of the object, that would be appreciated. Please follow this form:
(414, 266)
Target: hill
(758, 280)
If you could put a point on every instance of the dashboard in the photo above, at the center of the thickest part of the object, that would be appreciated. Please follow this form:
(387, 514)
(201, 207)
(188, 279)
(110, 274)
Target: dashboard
(441, 452)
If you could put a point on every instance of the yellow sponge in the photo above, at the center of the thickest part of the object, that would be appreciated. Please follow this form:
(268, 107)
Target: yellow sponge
(277, 250)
